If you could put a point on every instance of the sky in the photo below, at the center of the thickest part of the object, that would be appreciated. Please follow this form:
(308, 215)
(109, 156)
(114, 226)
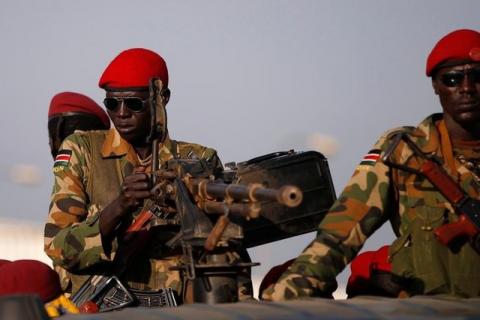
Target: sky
(247, 78)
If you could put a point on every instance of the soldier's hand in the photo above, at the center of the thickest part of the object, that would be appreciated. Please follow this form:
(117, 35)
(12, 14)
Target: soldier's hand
(135, 188)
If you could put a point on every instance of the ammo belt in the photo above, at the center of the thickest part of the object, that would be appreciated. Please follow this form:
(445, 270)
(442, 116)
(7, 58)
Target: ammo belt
(151, 299)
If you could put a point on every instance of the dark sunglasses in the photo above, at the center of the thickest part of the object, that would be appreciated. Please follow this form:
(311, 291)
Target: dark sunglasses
(133, 104)
(455, 78)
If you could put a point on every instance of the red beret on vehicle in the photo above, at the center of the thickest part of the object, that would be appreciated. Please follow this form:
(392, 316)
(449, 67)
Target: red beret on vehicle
(461, 44)
(29, 277)
(133, 68)
(362, 267)
(76, 102)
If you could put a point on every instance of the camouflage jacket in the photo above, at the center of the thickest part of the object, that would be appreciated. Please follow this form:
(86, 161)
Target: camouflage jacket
(375, 194)
(72, 234)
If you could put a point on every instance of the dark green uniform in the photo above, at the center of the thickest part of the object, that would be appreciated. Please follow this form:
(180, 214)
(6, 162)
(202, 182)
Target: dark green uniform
(377, 193)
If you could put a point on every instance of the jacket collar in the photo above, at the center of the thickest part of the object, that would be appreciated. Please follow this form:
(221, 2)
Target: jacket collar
(426, 134)
(115, 146)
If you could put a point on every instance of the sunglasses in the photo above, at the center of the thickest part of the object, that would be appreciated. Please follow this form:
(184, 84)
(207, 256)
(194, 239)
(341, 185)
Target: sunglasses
(133, 104)
(455, 78)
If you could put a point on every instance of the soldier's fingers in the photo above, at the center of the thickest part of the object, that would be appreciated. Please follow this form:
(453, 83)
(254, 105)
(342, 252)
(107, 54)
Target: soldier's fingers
(132, 199)
(137, 186)
(136, 177)
(139, 194)
(139, 169)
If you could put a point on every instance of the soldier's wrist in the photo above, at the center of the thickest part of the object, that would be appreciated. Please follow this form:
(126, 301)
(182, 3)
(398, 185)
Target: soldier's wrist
(111, 217)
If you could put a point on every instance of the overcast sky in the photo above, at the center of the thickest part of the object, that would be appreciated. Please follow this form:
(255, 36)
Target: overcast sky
(247, 78)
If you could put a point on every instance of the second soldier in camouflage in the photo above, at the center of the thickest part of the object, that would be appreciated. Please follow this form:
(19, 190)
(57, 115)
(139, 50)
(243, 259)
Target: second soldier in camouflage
(377, 193)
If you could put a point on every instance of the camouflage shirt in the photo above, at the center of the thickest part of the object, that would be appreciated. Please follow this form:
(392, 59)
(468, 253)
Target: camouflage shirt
(375, 194)
(72, 234)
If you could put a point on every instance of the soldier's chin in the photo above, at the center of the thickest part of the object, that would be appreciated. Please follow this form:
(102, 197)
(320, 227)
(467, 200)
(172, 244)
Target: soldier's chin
(130, 136)
(467, 119)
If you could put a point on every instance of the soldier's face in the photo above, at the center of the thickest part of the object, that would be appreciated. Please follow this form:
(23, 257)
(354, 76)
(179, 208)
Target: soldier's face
(129, 116)
(458, 88)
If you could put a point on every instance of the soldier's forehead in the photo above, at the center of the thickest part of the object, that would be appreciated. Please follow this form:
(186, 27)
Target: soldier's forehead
(128, 93)
(458, 64)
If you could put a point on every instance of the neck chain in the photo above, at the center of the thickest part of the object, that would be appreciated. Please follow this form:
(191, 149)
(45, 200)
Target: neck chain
(144, 162)
(471, 164)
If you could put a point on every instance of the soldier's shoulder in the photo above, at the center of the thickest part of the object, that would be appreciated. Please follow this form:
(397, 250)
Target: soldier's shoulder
(85, 137)
(80, 143)
(385, 139)
(199, 150)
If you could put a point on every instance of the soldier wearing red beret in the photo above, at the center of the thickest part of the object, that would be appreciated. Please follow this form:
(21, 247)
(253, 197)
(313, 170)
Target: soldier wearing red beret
(70, 111)
(425, 180)
(102, 181)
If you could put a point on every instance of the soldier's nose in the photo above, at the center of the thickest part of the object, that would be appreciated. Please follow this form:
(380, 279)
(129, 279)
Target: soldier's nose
(123, 111)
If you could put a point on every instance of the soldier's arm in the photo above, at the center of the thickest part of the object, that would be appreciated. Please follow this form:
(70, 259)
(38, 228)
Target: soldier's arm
(358, 212)
(72, 234)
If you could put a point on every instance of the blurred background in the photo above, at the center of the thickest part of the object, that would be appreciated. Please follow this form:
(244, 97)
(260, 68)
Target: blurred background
(247, 78)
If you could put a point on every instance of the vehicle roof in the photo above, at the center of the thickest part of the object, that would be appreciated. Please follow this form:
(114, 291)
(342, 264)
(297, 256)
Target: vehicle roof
(314, 308)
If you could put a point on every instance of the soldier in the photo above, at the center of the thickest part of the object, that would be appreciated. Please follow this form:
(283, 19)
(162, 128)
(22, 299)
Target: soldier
(70, 111)
(382, 189)
(101, 184)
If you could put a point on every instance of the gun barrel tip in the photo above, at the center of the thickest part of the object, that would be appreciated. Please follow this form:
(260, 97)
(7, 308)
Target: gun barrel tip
(291, 196)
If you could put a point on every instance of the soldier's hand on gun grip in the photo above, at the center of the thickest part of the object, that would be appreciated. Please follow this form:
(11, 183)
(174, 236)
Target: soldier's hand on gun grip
(135, 188)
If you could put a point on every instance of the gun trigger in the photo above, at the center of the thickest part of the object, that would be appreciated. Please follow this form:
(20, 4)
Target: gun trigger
(157, 212)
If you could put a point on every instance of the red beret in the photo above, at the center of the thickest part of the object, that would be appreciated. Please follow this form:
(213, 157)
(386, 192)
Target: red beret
(362, 266)
(133, 68)
(461, 44)
(76, 102)
(2, 262)
(30, 277)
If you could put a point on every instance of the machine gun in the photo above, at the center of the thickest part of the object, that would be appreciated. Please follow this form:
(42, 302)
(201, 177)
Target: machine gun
(215, 213)
(246, 205)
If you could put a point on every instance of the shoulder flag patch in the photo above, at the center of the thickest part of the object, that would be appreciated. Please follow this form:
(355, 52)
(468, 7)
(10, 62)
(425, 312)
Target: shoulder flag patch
(63, 158)
(371, 157)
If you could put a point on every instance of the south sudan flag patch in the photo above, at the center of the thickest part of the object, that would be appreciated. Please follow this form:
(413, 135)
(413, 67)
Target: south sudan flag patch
(371, 157)
(62, 159)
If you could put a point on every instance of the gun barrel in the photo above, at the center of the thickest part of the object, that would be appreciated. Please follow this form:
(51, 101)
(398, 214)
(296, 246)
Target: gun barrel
(290, 196)
(238, 209)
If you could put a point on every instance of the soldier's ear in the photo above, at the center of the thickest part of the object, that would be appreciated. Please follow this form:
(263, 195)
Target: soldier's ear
(435, 85)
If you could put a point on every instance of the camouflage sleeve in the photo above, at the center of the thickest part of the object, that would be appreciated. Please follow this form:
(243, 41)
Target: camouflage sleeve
(211, 156)
(72, 232)
(187, 150)
(362, 208)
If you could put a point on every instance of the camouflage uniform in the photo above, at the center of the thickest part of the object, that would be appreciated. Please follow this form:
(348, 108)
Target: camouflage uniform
(377, 193)
(85, 183)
